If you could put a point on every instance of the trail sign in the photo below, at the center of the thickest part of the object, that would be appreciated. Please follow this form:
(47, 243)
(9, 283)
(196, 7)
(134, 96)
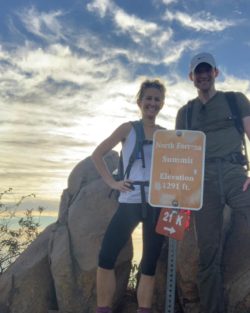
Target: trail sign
(177, 169)
(172, 223)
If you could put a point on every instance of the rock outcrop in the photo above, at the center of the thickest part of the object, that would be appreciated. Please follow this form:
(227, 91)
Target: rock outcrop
(57, 271)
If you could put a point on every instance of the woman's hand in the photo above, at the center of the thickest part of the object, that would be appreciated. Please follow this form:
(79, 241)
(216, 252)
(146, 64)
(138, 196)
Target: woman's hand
(246, 184)
(122, 185)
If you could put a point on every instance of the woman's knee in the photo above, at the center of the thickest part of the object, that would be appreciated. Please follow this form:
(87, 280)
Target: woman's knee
(106, 260)
(148, 267)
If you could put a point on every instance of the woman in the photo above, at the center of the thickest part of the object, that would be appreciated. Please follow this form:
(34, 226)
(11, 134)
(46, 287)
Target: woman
(131, 210)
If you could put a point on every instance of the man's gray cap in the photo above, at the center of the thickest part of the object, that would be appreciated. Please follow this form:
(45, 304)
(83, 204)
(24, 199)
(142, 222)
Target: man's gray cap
(203, 57)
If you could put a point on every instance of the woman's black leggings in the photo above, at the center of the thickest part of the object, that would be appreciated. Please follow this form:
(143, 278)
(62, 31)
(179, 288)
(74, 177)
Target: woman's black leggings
(124, 221)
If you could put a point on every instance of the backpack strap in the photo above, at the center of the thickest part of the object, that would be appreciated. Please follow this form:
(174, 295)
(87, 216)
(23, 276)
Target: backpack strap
(237, 118)
(138, 147)
(189, 111)
(236, 115)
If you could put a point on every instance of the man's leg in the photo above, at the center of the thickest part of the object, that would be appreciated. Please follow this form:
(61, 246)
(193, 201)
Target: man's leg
(239, 235)
(208, 224)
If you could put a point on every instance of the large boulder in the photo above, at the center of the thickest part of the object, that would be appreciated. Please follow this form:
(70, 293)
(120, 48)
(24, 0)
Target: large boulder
(27, 286)
(57, 272)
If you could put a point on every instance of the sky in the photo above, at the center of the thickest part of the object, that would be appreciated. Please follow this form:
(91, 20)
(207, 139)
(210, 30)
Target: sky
(70, 71)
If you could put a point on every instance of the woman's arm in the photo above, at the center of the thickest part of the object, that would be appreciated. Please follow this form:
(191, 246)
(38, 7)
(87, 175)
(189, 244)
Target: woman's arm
(103, 148)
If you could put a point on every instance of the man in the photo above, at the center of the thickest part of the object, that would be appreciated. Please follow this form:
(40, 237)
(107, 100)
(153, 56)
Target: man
(225, 182)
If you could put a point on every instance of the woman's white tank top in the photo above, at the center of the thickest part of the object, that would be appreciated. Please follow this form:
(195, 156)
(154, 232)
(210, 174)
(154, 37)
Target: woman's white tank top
(137, 173)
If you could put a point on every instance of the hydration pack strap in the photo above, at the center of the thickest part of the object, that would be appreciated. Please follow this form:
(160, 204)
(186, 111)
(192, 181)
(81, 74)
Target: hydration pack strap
(188, 119)
(142, 185)
(138, 152)
(236, 115)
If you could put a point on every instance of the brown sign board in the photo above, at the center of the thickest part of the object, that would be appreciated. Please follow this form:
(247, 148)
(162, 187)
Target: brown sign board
(177, 169)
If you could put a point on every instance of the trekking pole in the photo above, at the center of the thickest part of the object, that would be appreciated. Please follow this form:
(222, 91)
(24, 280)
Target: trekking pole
(171, 276)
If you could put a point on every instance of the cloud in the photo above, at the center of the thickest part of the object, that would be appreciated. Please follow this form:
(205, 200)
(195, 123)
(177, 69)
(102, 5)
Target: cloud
(153, 44)
(142, 32)
(52, 99)
(167, 2)
(100, 6)
(176, 51)
(42, 24)
(134, 25)
(230, 82)
(37, 74)
(201, 21)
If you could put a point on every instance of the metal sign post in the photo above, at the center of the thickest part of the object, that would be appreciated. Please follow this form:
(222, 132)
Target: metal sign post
(176, 183)
(171, 276)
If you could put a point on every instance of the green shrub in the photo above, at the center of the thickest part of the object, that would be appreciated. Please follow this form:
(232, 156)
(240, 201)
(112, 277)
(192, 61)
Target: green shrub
(132, 282)
(16, 233)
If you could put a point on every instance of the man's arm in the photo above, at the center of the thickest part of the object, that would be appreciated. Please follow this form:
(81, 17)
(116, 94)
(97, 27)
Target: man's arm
(180, 122)
(246, 125)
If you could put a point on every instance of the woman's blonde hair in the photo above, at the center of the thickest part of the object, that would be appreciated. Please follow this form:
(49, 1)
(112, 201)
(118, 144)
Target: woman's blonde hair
(150, 84)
